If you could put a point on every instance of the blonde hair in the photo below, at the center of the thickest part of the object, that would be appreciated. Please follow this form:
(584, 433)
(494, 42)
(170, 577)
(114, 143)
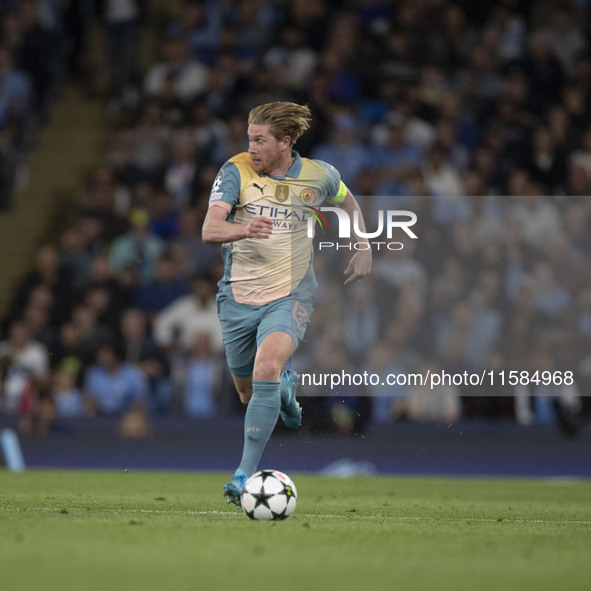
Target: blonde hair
(283, 119)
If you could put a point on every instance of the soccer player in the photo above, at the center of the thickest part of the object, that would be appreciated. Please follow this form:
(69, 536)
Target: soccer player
(258, 210)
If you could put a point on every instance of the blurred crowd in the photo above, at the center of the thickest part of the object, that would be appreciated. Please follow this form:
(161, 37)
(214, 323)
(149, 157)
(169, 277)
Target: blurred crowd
(33, 47)
(495, 284)
(475, 115)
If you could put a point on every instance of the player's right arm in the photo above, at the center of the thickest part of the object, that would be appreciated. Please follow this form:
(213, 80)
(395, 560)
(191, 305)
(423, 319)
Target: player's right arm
(225, 195)
(216, 230)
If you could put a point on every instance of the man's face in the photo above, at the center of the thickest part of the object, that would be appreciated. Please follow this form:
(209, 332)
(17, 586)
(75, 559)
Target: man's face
(105, 357)
(264, 149)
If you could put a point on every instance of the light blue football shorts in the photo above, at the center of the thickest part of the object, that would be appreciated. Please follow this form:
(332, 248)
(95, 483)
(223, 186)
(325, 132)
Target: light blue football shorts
(244, 327)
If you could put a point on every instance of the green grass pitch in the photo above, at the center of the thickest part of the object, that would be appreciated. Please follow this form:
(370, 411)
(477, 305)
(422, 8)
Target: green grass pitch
(111, 531)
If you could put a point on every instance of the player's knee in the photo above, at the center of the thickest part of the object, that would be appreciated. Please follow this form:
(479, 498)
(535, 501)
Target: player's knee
(267, 370)
(245, 394)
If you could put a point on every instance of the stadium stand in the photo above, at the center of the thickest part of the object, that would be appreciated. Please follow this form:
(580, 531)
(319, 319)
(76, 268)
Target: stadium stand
(474, 115)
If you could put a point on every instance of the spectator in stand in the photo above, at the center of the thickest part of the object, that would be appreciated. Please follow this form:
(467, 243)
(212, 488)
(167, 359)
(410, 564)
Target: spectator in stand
(290, 61)
(167, 286)
(511, 120)
(565, 35)
(539, 217)
(509, 28)
(498, 401)
(164, 216)
(561, 130)
(176, 325)
(89, 332)
(146, 147)
(256, 25)
(102, 275)
(101, 220)
(73, 258)
(202, 379)
(442, 179)
(123, 37)
(187, 75)
(547, 163)
(38, 319)
(66, 345)
(479, 82)
(8, 160)
(342, 83)
(466, 131)
(139, 249)
(180, 173)
(15, 93)
(24, 369)
(30, 356)
(395, 160)
(42, 299)
(199, 257)
(488, 167)
(478, 329)
(567, 265)
(543, 70)
(583, 320)
(577, 224)
(343, 150)
(361, 320)
(114, 388)
(142, 351)
(398, 267)
(398, 62)
(487, 211)
(575, 100)
(36, 49)
(445, 133)
(450, 44)
(580, 160)
(415, 106)
(198, 23)
(546, 403)
(551, 299)
(46, 272)
(390, 355)
(426, 404)
(210, 132)
(448, 285)
(99, 301)
(64, 390)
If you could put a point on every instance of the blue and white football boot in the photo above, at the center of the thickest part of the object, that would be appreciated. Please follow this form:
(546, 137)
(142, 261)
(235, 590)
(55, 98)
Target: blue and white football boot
(291, 411)
(233, 489)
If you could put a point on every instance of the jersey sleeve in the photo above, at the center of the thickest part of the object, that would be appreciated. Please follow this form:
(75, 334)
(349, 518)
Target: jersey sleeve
(225, 191)
(336, 189)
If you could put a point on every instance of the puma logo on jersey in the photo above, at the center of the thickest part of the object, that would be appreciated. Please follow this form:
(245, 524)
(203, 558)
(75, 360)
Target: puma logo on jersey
(260, 188)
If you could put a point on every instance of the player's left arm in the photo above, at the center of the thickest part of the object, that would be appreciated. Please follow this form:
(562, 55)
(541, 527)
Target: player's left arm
(360, 264)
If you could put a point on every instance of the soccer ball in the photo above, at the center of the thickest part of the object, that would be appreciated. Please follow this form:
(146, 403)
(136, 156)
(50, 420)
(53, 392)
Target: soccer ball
(269, 495)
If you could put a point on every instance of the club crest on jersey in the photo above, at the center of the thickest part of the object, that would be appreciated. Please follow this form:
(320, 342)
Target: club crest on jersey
(282, 193)
(307, 196)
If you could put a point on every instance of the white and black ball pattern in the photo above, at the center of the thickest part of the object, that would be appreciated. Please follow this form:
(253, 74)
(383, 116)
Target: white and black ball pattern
(269, 495)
